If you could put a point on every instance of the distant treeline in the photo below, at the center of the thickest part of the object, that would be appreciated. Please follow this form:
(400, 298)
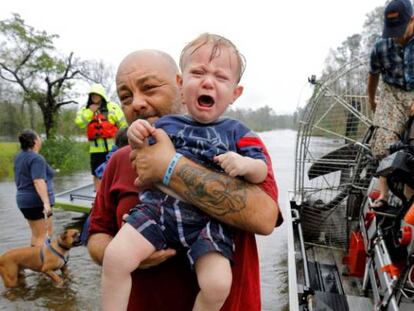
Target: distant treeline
(16, 116)
(265, 119)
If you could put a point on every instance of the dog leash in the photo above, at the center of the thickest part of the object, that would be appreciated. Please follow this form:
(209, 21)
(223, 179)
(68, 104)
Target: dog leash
(49, 246)
(46, 226)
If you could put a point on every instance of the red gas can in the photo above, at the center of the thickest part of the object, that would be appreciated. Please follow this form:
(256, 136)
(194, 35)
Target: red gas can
(356, 255)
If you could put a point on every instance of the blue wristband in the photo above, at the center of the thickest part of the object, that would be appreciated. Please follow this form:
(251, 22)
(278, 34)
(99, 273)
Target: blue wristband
(170, 168)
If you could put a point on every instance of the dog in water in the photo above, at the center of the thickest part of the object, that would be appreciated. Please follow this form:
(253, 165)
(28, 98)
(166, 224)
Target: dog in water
(51, 256)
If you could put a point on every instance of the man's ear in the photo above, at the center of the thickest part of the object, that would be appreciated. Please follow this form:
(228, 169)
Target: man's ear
(179, 80)
(237, 92)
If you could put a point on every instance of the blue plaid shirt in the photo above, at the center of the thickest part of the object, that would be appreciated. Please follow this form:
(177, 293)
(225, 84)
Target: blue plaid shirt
(395, 62)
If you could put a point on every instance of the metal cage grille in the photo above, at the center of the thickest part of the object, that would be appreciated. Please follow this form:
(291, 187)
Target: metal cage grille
(330, 162)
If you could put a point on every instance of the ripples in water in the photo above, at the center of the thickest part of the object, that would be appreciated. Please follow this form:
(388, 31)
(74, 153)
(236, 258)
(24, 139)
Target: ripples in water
(82, 291)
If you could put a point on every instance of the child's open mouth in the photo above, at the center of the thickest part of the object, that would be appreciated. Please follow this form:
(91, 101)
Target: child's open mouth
(206, 101)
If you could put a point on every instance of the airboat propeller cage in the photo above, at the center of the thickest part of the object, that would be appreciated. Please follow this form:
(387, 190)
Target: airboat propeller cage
(330, 152)
(334, 189)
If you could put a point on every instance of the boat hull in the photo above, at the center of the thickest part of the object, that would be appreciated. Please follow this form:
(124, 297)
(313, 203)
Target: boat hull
(76, 200)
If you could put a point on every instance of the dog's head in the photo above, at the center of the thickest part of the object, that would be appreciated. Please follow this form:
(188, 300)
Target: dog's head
(69, 238)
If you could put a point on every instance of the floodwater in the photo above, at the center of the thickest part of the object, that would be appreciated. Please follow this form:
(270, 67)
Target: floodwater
(82, 290)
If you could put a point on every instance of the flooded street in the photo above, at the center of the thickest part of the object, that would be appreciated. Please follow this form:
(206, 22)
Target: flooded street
(82, 291)
(273, 249)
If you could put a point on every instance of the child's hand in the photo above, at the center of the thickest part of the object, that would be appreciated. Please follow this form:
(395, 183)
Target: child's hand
(137, 133)
(232, 163)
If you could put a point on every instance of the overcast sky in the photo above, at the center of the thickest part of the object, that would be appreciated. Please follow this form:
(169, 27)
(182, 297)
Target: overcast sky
(284, 42)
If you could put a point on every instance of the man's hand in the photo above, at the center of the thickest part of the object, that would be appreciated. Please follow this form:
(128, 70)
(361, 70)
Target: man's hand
(157, 257)
(151, 162)
(232, 163)
(138, 132)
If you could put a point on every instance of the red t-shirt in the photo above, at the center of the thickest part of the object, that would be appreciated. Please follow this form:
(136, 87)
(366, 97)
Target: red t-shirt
(172, 285)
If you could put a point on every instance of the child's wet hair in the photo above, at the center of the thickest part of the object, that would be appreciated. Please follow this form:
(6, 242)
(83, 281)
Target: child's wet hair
(217, 43)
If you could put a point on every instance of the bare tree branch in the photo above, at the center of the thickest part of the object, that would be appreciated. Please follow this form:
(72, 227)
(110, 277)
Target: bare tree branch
(26, 58)
(16, 77)
(66, 103)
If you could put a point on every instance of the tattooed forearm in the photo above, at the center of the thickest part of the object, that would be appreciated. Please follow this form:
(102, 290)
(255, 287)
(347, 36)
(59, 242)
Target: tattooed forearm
(215, 193)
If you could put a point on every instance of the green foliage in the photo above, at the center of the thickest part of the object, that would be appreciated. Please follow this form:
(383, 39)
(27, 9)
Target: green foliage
(7, 154)
(66, 125)
(30, 63)
(16, 115)
(66, 154)
(24, 49)
(11, 120)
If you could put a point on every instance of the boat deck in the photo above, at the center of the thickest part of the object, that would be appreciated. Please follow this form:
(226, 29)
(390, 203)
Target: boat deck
(328, 278)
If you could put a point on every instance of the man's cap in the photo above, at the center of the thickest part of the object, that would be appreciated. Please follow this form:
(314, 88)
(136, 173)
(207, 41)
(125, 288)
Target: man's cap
(397, 15)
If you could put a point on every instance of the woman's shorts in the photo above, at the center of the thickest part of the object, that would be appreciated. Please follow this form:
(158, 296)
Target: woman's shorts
(34, 213)
(96, 160)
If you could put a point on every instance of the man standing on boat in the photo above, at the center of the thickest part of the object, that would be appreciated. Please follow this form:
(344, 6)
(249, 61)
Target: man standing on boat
(393, 58)
(102, 119)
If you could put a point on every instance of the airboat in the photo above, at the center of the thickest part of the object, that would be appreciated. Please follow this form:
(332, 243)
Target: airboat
(339, 257)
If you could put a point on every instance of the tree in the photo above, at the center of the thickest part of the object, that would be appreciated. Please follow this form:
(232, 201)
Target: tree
(354, 47)
(101, 73)
(29, 62)
(348, 51)
(373, 26)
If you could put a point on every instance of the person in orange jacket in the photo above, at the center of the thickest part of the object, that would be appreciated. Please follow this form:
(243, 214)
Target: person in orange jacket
(102, 119)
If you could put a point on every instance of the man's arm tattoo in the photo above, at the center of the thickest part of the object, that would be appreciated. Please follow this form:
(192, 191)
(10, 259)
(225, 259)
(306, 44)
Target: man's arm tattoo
(215, 193)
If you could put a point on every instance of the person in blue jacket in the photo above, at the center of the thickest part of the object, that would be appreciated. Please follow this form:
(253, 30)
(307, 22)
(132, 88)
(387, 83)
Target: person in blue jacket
(34, 181)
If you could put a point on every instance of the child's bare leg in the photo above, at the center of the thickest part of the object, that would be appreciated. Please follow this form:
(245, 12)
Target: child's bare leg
(122, 256)
(214, 278)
